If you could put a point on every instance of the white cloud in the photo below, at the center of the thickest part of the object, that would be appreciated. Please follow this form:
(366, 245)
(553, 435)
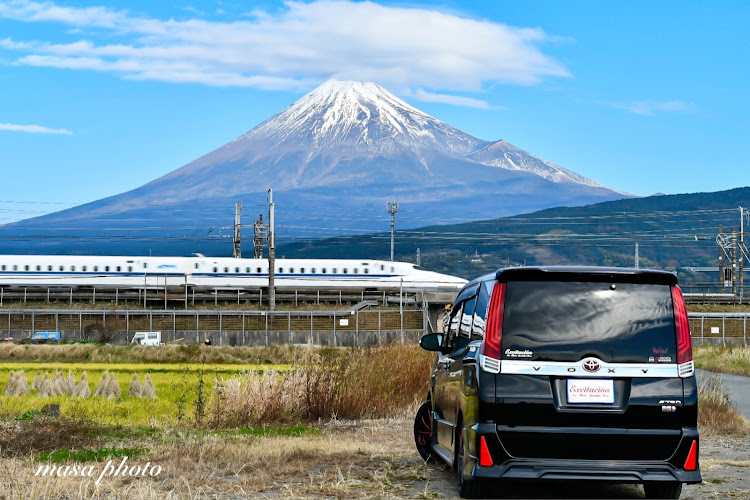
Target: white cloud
(455, 100)
(293, 48)
(33, 129)
(649, 108)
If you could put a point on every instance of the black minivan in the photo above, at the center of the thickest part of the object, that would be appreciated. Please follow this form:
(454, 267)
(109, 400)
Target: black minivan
(564, 373)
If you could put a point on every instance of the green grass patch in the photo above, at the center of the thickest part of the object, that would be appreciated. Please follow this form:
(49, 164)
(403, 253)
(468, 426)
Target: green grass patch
(89, 455)
(176, 387)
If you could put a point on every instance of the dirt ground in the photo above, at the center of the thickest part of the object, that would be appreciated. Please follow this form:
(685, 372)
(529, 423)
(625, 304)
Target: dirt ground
(363, 459)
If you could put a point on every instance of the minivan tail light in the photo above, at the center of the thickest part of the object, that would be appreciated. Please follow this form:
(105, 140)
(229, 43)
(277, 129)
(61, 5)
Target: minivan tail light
(493, 334)
(485, 459)
(682, 328)
(691, 462)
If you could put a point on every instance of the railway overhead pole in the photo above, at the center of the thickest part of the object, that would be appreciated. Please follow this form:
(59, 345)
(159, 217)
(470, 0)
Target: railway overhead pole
(392, 208)
(271, 253)
(259, 231)
(237, 230)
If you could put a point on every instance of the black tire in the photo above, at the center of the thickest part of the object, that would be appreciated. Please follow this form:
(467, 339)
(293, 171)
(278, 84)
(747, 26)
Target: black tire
(662, 490)
(423, 432)
(467, 487)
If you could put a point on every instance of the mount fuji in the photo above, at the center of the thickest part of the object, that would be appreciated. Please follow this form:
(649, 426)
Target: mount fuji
(333, 158)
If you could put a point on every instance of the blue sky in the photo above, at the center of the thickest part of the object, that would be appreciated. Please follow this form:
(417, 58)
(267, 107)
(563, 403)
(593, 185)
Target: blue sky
(97, 98)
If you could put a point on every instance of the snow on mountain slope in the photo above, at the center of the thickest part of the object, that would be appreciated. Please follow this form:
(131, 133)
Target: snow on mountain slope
(359, 115)
(504, 155)
(347, 133)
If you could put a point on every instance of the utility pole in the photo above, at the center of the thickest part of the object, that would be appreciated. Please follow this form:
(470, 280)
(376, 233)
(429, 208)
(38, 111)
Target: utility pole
(258, 238)
(721, 261)
(237, 230)
(637, 264)
(271, 253)
(419, 257)
(392, 209)
(734, 260)
(741, 253)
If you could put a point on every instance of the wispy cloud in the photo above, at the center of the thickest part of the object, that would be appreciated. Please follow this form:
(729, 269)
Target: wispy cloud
(33, 129)
(455, 100)
(292, 48)
(650, 108)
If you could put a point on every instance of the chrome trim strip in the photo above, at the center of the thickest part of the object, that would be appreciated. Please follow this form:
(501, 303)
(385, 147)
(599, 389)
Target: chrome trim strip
(575, 369)
(442, 421)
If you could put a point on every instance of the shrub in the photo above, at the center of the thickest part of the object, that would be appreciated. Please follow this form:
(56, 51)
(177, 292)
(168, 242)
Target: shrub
(716, 415)
(354, 383)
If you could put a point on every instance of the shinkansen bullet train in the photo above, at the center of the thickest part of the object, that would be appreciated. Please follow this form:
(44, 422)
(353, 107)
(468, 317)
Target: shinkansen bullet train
(200, 272)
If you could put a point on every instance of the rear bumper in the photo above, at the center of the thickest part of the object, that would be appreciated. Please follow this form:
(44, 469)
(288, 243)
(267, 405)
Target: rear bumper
(616, 471)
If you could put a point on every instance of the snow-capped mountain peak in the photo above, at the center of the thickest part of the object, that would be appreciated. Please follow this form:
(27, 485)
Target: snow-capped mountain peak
(359, 115)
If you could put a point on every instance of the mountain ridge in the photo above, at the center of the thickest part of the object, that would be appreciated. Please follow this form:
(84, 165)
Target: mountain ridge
(673, 231)
(347, 145)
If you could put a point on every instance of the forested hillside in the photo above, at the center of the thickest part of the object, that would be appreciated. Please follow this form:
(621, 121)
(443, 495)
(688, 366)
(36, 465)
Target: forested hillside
(672, 231)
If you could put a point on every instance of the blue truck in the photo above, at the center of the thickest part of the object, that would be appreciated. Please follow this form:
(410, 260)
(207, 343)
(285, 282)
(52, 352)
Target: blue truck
(44, 337)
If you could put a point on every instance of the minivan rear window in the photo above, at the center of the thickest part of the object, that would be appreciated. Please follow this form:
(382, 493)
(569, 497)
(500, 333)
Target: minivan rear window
(569, 321)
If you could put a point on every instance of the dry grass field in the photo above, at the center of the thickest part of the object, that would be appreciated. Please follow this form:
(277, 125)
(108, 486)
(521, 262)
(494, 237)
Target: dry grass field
(341, 459)
(723, 359)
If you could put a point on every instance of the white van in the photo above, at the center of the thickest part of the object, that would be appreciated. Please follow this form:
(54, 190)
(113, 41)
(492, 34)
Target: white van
(147, 338)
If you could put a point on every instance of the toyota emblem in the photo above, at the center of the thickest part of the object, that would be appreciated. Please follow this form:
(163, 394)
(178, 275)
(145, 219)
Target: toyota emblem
(591, 365)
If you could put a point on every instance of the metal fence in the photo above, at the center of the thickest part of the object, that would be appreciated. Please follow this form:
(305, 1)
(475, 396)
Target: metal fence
(354, 326)
(349, 327)
(719, 328)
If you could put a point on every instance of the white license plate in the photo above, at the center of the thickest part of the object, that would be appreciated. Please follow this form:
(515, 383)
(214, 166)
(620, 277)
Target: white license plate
(591, 391)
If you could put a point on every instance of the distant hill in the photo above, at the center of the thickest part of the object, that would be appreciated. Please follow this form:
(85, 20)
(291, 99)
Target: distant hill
(671, 231)
(345, 148)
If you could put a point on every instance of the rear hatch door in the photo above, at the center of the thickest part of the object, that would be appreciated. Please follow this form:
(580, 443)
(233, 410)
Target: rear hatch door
(589, 371)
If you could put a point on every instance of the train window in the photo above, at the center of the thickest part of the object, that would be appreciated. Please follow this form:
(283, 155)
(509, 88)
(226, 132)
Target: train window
(15, 267)
(106, 268)
(382, 267)
(312, 270)
(3, 267)
(356, 271)
(25, 268)
(258, 271)
(392, 269)
(130, 269)
(302, 270)
(324, 270)
(216, 269)
(62, 268)
(72, 268)
(291, 270)
(145, 265)
(83, 268)
(247, 270)
(226, 269)
(367, 271)
(346, 270)
(334, 270)
(196, 265)
(236, 269)
(118, 269)
(96, 268)
(281, 270)
(38, 268)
